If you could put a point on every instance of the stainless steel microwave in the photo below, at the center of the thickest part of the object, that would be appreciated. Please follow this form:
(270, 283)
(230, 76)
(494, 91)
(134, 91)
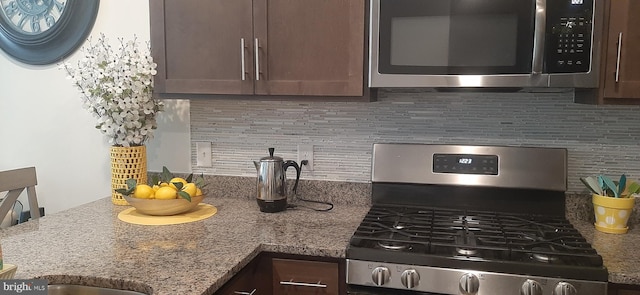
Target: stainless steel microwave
(485, 43)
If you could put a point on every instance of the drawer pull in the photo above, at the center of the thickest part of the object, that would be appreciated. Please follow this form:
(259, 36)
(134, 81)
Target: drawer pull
(244, 293)
(316, 285)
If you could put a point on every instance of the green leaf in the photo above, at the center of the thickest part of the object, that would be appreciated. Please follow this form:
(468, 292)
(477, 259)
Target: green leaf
(199, 181)
(592, 185)
(610, 186)
(166, 175)
(634, 188)
(622, 184)
(178, 185)
(131, 187)
(184, 195)
(601, 183)
(131, 183)
(124, 191)
(189, 178)
(154, 179)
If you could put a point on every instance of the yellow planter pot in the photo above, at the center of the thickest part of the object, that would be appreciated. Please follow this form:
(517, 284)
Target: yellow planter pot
(126, 163)
(612, 214)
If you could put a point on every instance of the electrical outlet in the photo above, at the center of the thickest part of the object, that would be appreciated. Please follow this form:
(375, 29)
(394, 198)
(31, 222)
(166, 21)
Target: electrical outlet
(203, 154)
(305, 152)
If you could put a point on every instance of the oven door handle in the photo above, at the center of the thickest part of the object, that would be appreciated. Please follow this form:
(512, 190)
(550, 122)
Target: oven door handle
(538, 37)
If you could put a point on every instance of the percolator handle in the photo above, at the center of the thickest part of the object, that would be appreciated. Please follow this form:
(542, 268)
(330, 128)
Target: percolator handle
(297, 167)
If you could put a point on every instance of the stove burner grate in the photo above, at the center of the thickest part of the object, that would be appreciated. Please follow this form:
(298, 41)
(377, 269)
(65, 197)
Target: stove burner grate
(474, 235)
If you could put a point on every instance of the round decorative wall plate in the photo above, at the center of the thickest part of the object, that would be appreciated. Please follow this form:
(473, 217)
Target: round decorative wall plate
(41, 32)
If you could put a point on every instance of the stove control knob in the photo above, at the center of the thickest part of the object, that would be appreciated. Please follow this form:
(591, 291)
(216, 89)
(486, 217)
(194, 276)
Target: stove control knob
(564, 288)
(410, 278)
(531, 287)
(469, 284)
(380, 275)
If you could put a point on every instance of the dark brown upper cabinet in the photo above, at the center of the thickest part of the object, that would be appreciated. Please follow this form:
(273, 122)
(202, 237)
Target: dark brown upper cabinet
(259, 47)
(620, 74)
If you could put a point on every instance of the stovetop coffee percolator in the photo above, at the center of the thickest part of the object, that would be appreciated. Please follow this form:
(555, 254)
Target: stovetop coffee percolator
(272, 184)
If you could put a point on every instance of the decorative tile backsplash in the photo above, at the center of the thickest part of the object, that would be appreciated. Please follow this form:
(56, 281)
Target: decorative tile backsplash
(599, 139)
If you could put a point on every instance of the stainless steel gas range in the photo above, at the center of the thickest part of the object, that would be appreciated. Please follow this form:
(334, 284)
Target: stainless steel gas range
(456, 219)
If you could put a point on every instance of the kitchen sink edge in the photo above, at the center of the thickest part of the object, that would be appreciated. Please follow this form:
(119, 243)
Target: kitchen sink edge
(98, 283)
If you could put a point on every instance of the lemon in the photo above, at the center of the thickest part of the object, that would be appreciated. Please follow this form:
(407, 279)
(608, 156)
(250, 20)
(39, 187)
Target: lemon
(143, 191)
(190, 188)
(177, 179)
(166, 193)
(155, 187)
(198, 192)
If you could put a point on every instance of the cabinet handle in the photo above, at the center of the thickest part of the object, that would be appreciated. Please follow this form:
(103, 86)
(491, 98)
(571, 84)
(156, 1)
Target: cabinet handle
(242, 47)
(257, 59)
(244, 293)
(538, 38)
(316, 285)
(618, 57)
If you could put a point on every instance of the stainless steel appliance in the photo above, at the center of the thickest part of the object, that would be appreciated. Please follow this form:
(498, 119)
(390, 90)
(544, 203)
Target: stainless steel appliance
(271, 183)
(457, 219)
(485, 43)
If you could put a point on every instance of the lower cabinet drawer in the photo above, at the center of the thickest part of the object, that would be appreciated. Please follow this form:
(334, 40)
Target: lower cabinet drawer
(304, 277)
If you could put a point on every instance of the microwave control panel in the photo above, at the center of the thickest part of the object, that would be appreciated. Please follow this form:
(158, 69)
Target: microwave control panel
(568, 38)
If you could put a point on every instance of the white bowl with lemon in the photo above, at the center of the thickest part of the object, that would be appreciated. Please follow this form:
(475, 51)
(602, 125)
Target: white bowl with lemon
(168, 197)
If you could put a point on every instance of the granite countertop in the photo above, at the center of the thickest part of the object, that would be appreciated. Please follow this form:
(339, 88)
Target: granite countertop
(617, 250)
(89, 245)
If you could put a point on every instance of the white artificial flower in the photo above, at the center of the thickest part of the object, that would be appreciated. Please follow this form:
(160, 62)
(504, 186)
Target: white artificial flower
(117, 87)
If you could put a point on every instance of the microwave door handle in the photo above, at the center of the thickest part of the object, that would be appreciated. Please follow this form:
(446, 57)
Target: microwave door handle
(538, 39)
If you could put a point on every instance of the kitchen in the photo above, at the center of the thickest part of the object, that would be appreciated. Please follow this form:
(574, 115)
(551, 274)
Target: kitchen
(598, 137)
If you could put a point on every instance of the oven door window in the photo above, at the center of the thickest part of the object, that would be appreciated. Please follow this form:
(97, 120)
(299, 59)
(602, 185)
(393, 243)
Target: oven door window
(448, 37)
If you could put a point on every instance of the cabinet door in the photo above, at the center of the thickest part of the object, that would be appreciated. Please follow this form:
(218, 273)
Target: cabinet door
(242, 283)
(255, 279)
(309, 47)
(622, 70)
(304, 277)
(623, 289)
(197, 46)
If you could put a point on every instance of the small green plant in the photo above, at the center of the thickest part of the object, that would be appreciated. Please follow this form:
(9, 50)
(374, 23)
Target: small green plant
(605, 186)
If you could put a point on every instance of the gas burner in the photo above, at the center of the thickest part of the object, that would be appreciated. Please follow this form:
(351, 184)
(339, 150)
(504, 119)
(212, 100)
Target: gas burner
(467, 220)
(392, 245)
(466, 251)
(467, 243)
(530, 236)
(398, 226)
(546, 258)
(538, 255)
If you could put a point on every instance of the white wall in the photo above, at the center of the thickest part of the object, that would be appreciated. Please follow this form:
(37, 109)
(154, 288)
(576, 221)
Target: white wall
(42, 123)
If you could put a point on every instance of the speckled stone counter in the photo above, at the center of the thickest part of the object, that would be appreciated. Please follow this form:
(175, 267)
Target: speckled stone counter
(617, 250)
(89, 245)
